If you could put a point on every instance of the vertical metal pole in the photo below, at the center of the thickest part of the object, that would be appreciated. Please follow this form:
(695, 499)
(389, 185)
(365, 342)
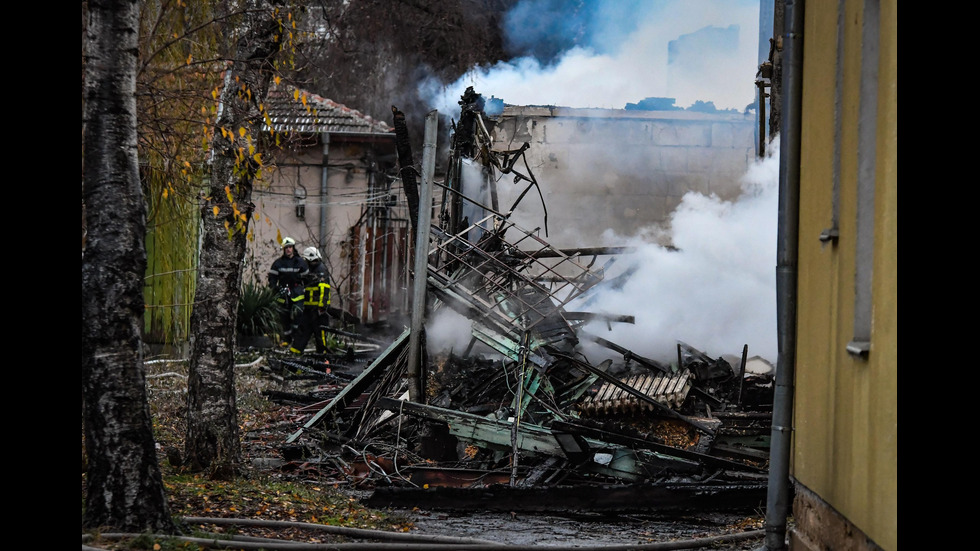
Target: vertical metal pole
(518, 410)
(421, 257)
(324, 176)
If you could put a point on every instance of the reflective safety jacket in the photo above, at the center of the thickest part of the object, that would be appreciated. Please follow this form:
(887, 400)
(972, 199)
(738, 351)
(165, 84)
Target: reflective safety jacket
(288, 272)
(317, 286)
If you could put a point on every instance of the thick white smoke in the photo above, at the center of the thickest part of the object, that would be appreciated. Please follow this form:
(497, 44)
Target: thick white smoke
(717, 292)
(624, 64)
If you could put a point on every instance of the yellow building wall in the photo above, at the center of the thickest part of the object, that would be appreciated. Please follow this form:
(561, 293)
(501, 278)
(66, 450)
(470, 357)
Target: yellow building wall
(846, 411)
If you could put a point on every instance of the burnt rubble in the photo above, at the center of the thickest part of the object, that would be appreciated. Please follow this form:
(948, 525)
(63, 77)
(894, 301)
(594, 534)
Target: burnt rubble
(521, 419)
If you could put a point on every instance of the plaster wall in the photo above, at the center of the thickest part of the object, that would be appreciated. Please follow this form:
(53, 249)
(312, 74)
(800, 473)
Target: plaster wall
(617, 171)
(295, 181)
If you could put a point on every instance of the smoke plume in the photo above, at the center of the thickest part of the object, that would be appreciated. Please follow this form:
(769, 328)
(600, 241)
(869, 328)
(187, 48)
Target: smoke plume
(607, 54)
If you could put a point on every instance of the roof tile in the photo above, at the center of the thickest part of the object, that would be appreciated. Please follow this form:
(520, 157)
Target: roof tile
(288, 112)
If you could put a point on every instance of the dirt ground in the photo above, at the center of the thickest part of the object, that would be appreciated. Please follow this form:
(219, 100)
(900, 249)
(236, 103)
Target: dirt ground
(588, 530)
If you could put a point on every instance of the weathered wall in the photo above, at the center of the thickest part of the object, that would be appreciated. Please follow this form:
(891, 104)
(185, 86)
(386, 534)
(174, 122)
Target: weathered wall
(819, 526)
(618, 170)
(845, 447)
(296, 180)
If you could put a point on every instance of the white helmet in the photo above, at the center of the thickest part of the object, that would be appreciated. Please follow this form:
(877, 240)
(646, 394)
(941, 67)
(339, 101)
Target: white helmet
(311, 254)
(287, 241)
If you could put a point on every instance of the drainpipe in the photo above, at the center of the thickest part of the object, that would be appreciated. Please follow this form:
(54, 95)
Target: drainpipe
(778, 495)
(323, 192)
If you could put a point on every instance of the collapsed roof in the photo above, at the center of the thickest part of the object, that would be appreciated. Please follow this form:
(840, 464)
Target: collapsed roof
(522, 408)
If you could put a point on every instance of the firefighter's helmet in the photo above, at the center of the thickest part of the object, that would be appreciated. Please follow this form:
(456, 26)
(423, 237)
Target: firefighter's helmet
(288, 242)
(311, 254)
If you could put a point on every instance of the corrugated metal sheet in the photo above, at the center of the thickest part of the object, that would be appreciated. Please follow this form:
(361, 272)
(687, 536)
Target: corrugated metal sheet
(670, 390)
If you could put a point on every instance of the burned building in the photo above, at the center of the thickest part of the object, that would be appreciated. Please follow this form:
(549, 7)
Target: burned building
(522, 409)
(631, 167)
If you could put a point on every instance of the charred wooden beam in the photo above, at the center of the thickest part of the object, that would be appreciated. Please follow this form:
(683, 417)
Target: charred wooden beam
(403, 145)
(495, 432)
(627, 354)
(608, 435)
(620, 462)
(354, 389)
(665, 409)
(590, 316)
(581, 251)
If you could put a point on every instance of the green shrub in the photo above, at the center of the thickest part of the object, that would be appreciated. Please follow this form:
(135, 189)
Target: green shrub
(258, 313)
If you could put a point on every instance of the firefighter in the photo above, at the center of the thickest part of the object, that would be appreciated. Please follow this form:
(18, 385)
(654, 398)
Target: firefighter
(286, 276)
(317, 301)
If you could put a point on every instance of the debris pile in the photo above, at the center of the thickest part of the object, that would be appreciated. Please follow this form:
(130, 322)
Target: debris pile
(521, 419)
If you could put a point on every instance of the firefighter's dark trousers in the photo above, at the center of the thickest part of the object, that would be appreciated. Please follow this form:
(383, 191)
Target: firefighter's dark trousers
(290, 314)
(311, 323)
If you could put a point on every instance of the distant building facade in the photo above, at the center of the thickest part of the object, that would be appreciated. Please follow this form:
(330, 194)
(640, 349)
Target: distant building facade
(333, 185)
(619, 170)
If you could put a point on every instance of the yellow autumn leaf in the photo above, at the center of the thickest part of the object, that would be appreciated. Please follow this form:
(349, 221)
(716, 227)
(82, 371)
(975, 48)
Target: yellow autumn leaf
(258, 158)
(187, 164)
(241, 131)
(190, 58)
(216, 210)
(165, 194)
(277, 79)
(295, 94)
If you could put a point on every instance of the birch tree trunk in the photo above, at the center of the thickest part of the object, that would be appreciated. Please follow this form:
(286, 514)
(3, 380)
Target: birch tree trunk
(212, 442)
(124, 488)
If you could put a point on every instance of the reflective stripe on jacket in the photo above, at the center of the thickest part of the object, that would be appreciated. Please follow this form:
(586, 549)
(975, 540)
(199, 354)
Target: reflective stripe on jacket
(318, 295)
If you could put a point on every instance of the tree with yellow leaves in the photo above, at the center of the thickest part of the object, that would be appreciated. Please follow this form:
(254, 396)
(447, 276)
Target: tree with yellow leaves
(212, 442)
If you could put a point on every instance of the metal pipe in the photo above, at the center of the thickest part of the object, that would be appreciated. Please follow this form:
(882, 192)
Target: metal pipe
(778, 495)
(323, 193)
